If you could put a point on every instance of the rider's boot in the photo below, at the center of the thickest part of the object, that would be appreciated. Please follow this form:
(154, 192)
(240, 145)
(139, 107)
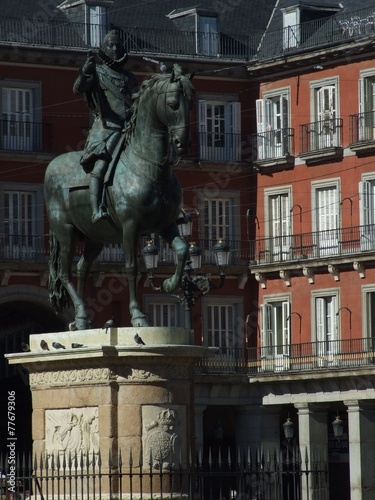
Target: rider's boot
(96, 191)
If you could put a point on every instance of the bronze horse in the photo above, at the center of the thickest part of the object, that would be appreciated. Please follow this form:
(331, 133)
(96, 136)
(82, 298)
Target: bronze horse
(143, 196)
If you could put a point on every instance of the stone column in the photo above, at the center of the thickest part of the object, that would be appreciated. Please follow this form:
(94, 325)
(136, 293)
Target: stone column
(361, 421)
(111, 395)
(313, 443)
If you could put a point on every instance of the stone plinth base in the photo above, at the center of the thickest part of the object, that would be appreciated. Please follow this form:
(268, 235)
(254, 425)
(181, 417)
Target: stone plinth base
(114, 398)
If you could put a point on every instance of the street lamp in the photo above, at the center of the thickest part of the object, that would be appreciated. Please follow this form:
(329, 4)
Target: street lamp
(288, 427)
(194, 285)
(338, 427)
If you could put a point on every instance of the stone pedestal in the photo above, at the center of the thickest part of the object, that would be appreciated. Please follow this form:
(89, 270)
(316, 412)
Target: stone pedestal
(112, 396)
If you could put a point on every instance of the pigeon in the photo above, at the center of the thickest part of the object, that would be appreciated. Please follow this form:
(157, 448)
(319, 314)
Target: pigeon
(138, 339)
(108, 324)
(25, 347)
(44, 345)
(57, 345)
(76, 346)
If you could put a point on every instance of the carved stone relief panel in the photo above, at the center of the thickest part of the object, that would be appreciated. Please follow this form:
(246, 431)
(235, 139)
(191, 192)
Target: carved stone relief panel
(164, 435)
(71, 433)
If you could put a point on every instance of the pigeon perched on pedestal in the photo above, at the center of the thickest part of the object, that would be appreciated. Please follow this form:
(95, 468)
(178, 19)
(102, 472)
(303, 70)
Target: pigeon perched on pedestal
(57, 345)
(25, 347)
(44, 345)
(76, 346)
(108, 324)
(138, 340)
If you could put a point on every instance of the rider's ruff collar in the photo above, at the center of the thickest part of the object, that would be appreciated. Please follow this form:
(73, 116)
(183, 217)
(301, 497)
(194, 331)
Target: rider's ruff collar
(112, 63)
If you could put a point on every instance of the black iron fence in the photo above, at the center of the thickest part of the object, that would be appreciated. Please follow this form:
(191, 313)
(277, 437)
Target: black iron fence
(315, 245)
(296, 357)
(282, 474)
(24, 136)
(321, 135)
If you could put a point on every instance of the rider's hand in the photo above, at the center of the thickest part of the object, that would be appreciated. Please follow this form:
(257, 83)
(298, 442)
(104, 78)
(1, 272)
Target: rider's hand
(89, 67)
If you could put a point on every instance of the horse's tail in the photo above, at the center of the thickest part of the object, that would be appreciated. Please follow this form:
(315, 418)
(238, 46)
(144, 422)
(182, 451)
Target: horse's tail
(58, 294)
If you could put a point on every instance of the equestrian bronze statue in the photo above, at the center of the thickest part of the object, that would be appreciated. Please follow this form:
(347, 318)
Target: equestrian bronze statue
(142, 196)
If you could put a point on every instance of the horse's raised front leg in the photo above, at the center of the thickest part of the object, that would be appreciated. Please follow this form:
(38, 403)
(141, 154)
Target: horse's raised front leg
(130, 243)
(67, 242)
(181, 248)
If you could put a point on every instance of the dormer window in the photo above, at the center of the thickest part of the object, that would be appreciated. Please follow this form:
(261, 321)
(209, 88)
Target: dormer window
(291, 26)
(208, 36)
(205, 26)
(96, 22)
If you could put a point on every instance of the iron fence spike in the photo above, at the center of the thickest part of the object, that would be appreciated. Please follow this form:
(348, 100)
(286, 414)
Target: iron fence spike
(131, 457)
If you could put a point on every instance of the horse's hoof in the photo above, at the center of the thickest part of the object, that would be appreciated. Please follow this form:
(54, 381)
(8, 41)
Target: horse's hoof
(140, 321)
(72, 326)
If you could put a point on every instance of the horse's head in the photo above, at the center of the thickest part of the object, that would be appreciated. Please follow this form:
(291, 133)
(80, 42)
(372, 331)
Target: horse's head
(174, 109)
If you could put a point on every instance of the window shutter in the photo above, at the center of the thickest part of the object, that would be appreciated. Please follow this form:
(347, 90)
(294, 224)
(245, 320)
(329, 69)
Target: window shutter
(364, 203)
(319, 319)
(267, 334)
(233, 129)
(286, 327)
(264, 115)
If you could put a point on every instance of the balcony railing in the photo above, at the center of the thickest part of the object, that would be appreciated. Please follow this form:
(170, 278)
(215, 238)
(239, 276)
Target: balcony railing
(219, 147)
(308, 246)
(312, 35)
(362, 127)
(328, 354)
(36, 249)
(321, 135)
(137, 40)
(273, 144)
(17, 135)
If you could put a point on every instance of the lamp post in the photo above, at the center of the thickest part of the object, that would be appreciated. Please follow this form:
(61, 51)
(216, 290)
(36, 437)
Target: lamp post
(338, 427)
(288, 427)
(194, 285)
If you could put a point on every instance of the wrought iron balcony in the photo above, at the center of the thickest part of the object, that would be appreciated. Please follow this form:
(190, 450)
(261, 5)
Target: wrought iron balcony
(35, 249)
(362, 130)
(25, 136)
(301, 357)
(321, 135)
(315, 245)
(219, 147)
(311, 35)
(273, 144)
(139, 40)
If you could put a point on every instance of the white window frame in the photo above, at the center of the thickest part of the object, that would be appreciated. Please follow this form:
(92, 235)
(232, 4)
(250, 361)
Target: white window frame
(325, 133)
(366, 86)
(229, 337)
(326, 239)
(291, 27)
(208, 38)
(226, 127)
(279, 245)
(164, 307)
(272, 124)
(211, 230)
(18, 132)
(96, 24)
(368, 316)
(367, 211)
(28, 243)
(275, 355)
(327, 349)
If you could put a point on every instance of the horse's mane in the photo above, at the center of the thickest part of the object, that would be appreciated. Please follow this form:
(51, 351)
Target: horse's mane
(184, 80)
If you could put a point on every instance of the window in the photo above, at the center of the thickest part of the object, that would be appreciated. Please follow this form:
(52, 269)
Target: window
(366, 124)
(222, 327)
(273, 134)
(22, 211)
(275, 339)
(325, 306)
(166, 311)
(277, 208)
(219, 130)
(96, 24)
(208, 36)
(367, 212)
(218, 220)
(291, 26)
(369, 316)
(325, 130)
(326, 210)
(19, 128)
